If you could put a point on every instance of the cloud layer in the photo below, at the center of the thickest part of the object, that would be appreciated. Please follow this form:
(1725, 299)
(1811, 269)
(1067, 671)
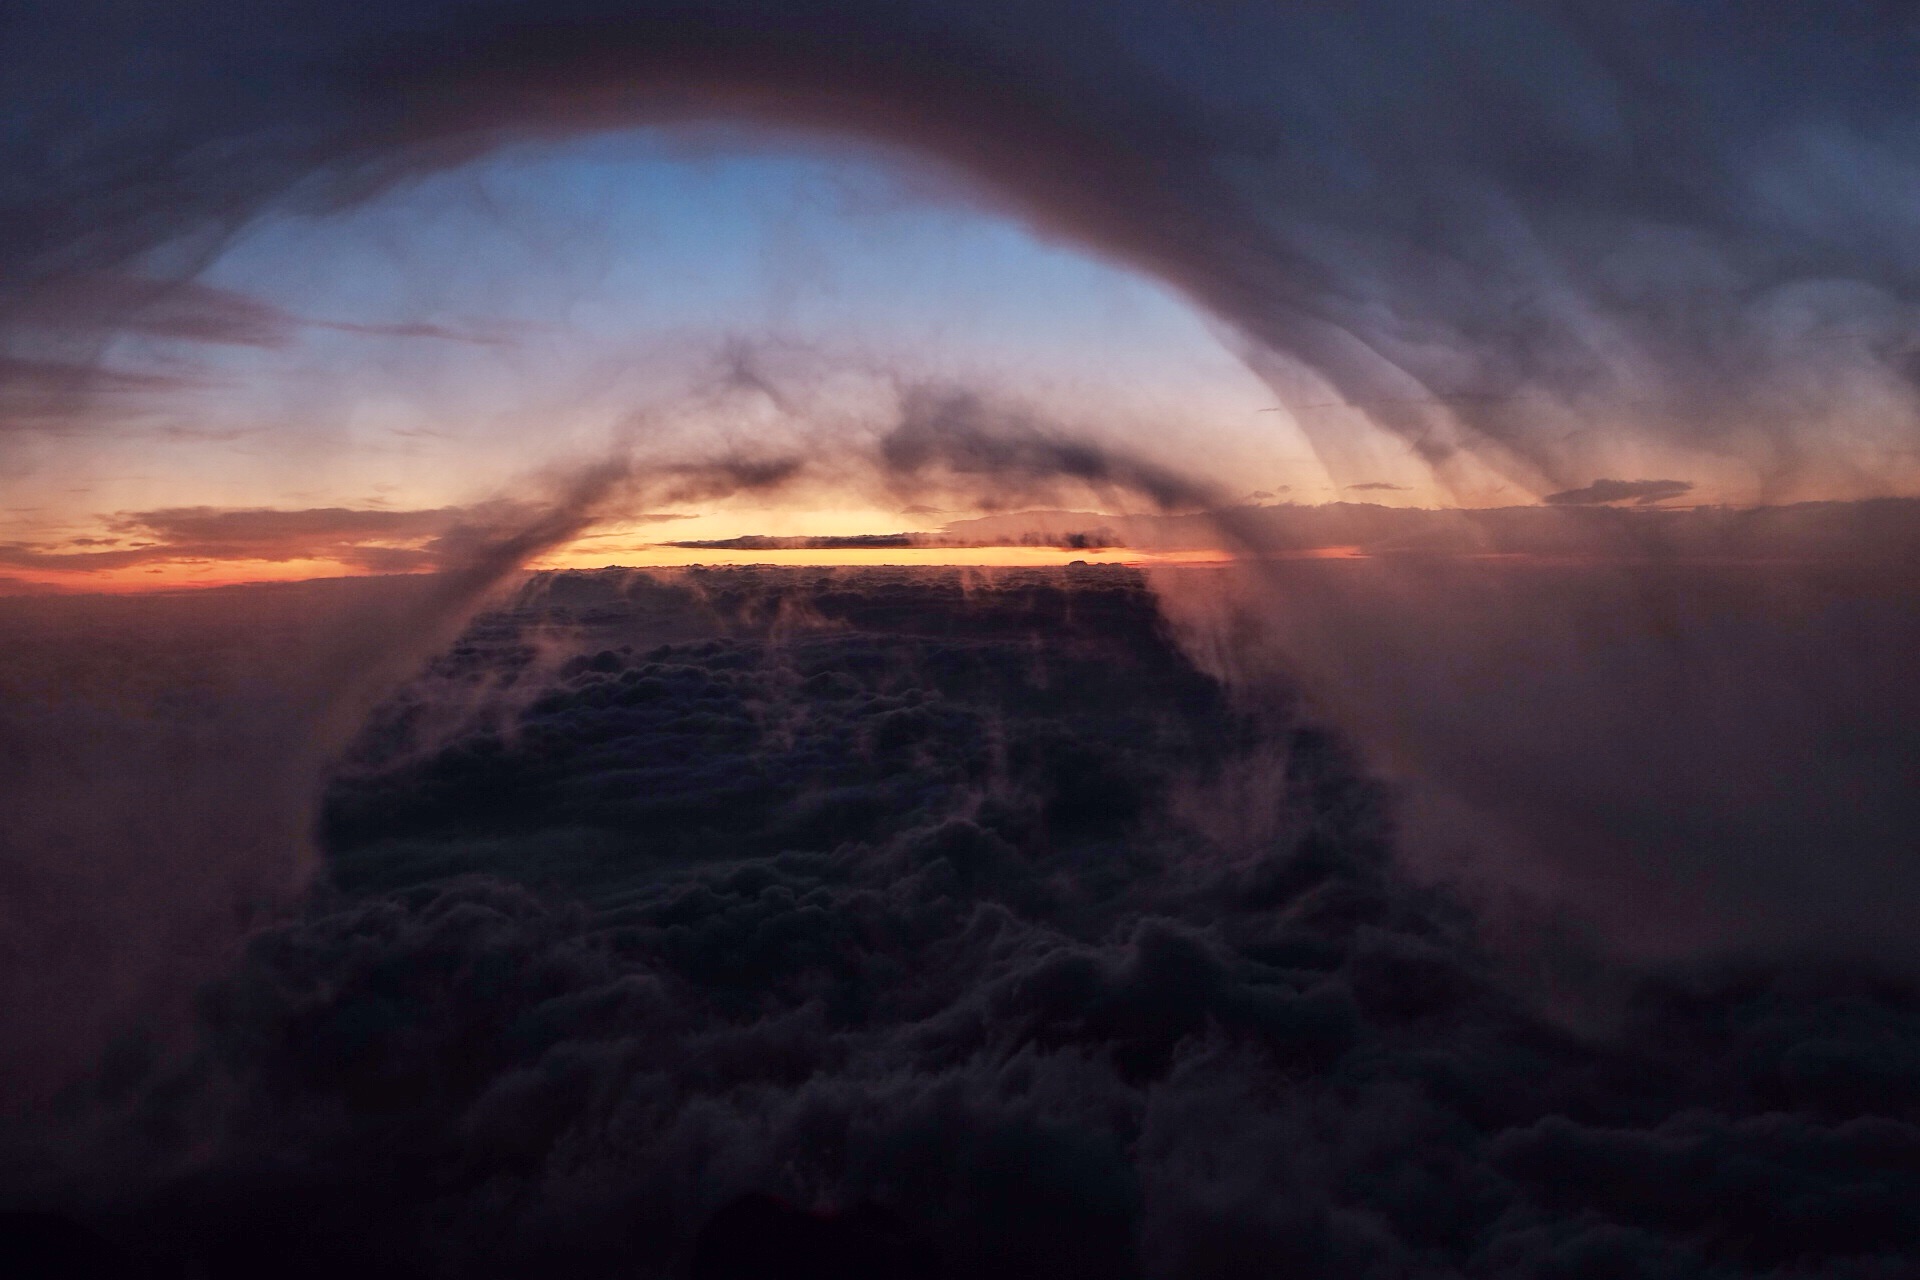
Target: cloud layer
(838, 887)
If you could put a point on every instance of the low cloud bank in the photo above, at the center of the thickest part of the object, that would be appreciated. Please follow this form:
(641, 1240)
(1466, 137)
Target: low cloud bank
(1046, 957)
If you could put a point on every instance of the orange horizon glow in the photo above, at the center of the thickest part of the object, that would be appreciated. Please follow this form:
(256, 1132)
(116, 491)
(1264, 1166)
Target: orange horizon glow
(207, 575)
(163, 577)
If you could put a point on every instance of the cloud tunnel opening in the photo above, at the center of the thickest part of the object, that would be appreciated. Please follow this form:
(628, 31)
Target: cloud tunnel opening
(1606, 563)
(1083, 143)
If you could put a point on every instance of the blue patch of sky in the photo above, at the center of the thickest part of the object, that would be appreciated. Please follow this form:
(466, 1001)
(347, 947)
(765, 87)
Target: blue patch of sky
(642, 235)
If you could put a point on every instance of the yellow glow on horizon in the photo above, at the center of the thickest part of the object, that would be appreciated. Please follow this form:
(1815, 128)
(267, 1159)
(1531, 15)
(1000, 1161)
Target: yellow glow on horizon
(665, 557)
(179, 575)
(208, 574)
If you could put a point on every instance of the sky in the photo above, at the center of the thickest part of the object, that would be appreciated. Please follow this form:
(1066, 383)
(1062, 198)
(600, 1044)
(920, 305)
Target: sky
(428, 260)
(556, 302)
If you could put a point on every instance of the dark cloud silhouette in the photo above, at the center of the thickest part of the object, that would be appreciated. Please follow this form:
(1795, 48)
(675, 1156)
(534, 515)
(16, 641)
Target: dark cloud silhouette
(880, 933)
(1006, 456)
(769, 542)
(1379, 485)
(1079, 539)
(1644, 492)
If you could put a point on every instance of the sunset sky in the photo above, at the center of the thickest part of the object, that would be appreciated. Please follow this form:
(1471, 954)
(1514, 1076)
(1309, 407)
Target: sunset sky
(301, 314)
(337, 390)
(554, 304)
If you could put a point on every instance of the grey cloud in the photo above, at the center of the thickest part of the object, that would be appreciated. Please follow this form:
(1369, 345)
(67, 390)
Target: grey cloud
(1643, 492)
(842, 907)
(956, 436)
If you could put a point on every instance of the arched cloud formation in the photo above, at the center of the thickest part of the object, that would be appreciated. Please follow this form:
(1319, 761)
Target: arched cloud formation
(1518, 236)
(1017, 920)
(1504, 231)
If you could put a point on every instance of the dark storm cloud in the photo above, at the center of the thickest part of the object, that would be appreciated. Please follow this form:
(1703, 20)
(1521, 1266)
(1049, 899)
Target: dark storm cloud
(900, 918)
(1643, 492)
(1489, 226)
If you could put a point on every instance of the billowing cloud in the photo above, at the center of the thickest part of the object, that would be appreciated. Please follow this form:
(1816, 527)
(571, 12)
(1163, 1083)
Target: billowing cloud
(830, 905)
